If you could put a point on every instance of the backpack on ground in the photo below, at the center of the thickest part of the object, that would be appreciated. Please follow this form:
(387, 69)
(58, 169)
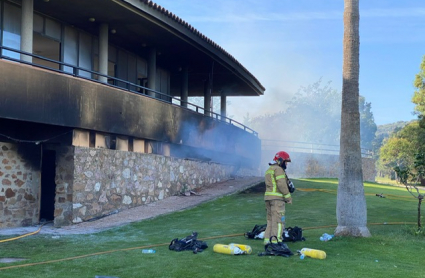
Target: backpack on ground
(276, 249)
(256, 231)
(188, 243)
(293, 234)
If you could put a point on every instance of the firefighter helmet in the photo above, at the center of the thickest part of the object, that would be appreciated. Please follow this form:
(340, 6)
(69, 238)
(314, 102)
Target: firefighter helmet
(281, 157)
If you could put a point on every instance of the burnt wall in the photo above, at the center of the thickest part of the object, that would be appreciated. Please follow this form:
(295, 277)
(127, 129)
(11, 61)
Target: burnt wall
(19, 184)
(31, 94)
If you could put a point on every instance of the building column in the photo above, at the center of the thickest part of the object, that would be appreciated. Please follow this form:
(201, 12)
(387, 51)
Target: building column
(103, 51)
(185, 87)
(27, 29)
(207, 97)
(152, 71)
(223, 105)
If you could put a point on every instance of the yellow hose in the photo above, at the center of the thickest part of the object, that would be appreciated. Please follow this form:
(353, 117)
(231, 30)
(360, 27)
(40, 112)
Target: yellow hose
(25, 235)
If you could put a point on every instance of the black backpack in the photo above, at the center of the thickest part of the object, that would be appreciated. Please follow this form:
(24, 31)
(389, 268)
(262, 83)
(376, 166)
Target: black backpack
(276, 249)
(258, 229)
(293, 234)
(188, 243)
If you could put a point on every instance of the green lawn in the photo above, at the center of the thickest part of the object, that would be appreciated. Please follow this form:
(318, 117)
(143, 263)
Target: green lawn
(393, 251)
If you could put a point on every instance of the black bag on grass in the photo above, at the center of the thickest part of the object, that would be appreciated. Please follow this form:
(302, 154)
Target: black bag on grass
(188, 243)
(258, 229)
(293, 234)
(276, 249)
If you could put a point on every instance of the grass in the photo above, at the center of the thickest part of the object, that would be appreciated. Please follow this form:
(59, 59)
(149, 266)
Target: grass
(392, 251)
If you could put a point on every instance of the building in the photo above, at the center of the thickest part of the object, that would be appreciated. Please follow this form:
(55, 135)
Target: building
(95, 114)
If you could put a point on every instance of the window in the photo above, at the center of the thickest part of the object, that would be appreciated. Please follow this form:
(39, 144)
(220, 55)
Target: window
(12, 30)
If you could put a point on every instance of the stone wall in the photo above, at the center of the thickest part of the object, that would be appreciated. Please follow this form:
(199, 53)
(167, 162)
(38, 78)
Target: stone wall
(64, 180)
(105, 181)
(19, 184)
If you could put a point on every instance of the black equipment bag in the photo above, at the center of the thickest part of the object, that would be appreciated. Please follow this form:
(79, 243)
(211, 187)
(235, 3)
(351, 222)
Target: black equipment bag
(258, 229)
(188, 243)
(293, 234)
(276, 249)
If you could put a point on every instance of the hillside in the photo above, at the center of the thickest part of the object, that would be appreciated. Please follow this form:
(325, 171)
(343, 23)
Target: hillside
(384, 131)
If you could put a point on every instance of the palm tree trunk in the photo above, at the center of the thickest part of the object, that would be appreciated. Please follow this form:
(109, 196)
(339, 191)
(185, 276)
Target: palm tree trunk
(351, 208)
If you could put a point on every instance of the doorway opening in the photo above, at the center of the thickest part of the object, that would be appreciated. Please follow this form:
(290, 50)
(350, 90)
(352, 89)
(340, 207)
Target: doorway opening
(48, 185)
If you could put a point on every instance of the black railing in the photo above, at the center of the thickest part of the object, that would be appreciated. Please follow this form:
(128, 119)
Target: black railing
(306, 147)
(128, 86)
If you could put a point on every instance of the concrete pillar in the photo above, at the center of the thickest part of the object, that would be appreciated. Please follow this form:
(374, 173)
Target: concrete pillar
(207, 97)
(152, 71)
(139, 145)
(81, 138)
(100, 141)
(122, 144)
(185, 87)
(223, 105)
(27, 29)
(103, 51)
(166, 149)
(148, 146)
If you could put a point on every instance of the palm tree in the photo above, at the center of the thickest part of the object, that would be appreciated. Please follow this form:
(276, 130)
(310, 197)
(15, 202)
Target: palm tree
(351, 209)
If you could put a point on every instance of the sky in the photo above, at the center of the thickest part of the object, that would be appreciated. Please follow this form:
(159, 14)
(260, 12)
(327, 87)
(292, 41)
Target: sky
(287, 44)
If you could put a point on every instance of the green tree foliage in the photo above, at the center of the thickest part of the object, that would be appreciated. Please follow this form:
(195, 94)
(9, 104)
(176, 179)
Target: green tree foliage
(367, 124)
(396, 152)
(384, 132)
(400, 149)
(411, 177)
(419, 95)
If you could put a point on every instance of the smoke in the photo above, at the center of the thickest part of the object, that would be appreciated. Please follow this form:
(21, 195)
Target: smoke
(208, 139)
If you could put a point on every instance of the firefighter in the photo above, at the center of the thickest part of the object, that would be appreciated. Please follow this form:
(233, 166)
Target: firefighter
(276, 195)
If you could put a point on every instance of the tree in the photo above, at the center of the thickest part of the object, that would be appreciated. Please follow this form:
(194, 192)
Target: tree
(367, 124)
(419, 95)
(396, 152)
(351, 208)
(411, 179)
(313, 115)
(399, 150)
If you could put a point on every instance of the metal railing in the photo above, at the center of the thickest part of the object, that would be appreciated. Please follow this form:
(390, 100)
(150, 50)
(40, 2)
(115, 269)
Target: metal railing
(123, 85)
(306, 147)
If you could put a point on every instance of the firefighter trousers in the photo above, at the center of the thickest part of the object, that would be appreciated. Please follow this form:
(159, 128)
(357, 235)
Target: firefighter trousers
(275, 220)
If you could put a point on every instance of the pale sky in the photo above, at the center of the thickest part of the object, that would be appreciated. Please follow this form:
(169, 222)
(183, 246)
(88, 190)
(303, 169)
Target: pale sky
(287, 44)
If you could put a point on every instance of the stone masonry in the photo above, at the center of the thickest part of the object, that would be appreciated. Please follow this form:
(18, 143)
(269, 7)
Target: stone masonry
(93, 182)
(19, 188)
(109, 180)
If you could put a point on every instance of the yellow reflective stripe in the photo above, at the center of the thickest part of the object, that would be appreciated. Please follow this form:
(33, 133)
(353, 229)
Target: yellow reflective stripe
(287, 195)
(279, 231)
(280, 177)
(274, 194)
(271, 172)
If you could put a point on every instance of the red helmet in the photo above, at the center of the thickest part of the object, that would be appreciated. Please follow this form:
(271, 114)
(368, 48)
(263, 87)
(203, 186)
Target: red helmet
(281, 157)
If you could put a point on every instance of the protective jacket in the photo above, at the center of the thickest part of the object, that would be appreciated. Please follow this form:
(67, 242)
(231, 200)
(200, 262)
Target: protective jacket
(276, 184)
